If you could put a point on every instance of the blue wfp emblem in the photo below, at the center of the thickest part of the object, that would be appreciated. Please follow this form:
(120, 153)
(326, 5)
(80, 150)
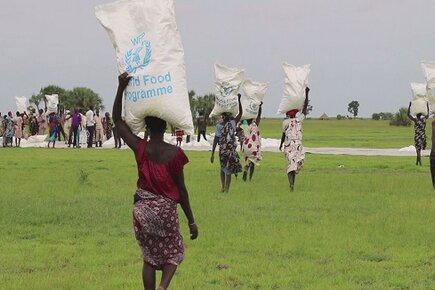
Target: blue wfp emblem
(139, 56)
(226, 89)
(253, 106)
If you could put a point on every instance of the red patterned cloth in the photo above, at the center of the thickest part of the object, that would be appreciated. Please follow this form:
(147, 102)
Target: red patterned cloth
(156, 227)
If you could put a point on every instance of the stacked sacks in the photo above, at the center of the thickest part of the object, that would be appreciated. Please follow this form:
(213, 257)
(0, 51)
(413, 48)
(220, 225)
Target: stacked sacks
(253, 95)
(296, 80)
(148, 46)
(228, 81)
(419, 102)
(429, 72)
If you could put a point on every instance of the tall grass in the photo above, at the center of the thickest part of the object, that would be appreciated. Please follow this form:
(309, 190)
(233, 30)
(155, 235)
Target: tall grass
(352, 223)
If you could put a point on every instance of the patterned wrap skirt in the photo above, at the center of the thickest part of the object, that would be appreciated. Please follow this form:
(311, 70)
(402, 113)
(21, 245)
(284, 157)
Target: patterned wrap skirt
(157, 230)
(295, 156)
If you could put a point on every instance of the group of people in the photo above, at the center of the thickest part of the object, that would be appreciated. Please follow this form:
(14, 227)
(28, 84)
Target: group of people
(74, 127)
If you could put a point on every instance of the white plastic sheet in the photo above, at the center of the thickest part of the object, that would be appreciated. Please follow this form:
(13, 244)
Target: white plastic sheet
(148, 46)
(296, 80)
(228, 81)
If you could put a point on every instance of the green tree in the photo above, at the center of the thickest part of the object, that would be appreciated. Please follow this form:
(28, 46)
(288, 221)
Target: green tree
(36, 100)
(401, 118)
(352, 108)
(82, 97)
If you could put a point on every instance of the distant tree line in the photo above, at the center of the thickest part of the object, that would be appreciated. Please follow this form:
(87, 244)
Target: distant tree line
(79, 97)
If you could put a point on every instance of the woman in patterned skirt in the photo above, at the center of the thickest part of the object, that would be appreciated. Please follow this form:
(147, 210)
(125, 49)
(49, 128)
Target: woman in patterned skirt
(160, 188)
(420, 131)
(292, 140)
(251, 147)
(228, 157)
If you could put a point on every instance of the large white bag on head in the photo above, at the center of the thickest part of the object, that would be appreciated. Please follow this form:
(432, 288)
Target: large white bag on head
(228, 81)
(52, 102)
(419, 102)
(429, 72)
(253, 95)
(21, 104)
(148, 46)
(296, 80)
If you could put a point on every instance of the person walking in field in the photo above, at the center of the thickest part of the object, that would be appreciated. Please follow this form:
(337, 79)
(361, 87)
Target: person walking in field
(98, 120)
(228, 157)
(251, 147)
(18, 129)
(8, 125)
(420, 131)
(292, 140)
(42, 122)
(432, 156)
(160, 188)
(53, 125)
(107, 125)
(201, 126)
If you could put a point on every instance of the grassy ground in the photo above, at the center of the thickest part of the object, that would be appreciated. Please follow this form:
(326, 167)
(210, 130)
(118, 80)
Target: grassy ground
(352, 223)
(347, 133)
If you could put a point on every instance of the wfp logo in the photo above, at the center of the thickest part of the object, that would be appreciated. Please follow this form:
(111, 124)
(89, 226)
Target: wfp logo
(139, 56)
(253, 106)
(226, 90)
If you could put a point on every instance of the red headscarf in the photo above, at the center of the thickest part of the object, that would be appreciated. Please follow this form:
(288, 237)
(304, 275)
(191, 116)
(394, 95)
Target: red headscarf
(292, 113)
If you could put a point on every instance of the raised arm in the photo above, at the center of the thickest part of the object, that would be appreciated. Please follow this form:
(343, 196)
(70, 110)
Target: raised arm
(259, 114)
(427, 114)
(239, 115)
(409, 113)
(282, 141)
(185, 205)
(215, 141)
(123, 130)
(304, 109)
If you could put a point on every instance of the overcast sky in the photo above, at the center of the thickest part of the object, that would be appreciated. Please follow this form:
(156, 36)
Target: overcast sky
(363, 50)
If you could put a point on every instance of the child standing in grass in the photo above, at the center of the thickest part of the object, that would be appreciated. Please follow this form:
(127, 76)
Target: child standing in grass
(160, 188)
(292, 140)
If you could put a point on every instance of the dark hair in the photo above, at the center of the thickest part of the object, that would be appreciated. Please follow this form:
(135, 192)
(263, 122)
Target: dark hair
(155, 125)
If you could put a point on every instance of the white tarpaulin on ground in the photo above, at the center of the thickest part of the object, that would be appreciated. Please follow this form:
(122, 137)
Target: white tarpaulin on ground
(429, 72)
(296, 80)
(253, 95)
(228, 81)
(419, 101)
(21, 104)
(148, 46)
(52, 102)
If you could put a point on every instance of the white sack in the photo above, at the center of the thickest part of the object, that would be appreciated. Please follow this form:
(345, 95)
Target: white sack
(253, 95)
(296, 80)
(429, 72)
(148, 46)
(21, 104)
(419, 102)
(228, 81)
(418, 106)
(52, 102)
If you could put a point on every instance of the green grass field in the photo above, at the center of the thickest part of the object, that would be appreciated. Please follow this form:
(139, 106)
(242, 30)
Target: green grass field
(352, 223)
(347, 133)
